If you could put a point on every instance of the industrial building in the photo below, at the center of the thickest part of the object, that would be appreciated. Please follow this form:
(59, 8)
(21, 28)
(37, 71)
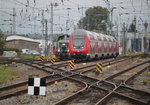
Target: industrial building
(21, 42)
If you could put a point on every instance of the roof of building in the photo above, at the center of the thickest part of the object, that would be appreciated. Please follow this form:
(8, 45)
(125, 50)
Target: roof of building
(18, 37)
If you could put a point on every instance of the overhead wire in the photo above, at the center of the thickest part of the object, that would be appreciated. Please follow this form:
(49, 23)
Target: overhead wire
(132, 5)
(141, 5)
(6, 12)
(147, 4)
(27, 5)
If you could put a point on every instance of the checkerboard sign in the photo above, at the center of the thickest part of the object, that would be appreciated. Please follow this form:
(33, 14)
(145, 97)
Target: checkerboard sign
(37, 86)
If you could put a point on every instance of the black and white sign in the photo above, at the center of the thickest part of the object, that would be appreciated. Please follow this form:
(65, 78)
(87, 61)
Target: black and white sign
(36, 86)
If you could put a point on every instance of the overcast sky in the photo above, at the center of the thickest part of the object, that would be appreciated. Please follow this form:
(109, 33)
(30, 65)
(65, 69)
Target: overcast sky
(26, 13)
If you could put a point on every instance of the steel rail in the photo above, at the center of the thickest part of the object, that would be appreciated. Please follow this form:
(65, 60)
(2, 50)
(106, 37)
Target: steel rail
(15, 91)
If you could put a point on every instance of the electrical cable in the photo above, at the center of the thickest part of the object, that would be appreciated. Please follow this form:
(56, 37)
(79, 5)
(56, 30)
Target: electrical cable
(132, 5)
(6, 12)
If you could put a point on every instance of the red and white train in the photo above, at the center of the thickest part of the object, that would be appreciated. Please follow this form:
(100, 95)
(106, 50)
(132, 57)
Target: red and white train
(90, 45)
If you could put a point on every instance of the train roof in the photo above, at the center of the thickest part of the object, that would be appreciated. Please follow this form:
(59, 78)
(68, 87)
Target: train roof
(96, 35)
(79, 32)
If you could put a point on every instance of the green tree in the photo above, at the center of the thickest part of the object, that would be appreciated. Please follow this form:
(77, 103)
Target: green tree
(95, 19)
(132, 27)
(2, 39)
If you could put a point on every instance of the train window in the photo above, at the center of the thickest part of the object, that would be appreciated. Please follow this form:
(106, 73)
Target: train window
(110, 49)
(110, 40)
(99, 50)
(78, 42)
(114, 40)
(91, 50)
(105, 49)
(99, 38)
(104, 39)
(91, 37)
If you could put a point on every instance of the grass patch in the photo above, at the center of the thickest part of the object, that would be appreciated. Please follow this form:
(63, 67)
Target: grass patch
(130, 54)
(28, 56)
(34, 56)
(52, 55)
(134, 53)
(6, 74)
(148, 76)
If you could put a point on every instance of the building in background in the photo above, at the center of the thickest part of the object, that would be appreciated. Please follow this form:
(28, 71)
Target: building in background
(21, 42)
(139, 42)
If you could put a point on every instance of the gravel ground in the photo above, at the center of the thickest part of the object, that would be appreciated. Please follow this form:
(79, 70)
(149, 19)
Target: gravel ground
(113, 69)
(142, 82)
(55, 93)
(23, 72)
(129, 74)
(79, 65)
(66, 88)
(117, 101)
(88, 97)
(137, 83)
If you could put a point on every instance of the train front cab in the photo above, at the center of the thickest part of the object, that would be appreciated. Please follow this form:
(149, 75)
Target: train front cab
(78, 45)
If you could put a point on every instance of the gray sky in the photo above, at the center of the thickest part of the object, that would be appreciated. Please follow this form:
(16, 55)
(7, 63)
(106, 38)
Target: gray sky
(25, 15)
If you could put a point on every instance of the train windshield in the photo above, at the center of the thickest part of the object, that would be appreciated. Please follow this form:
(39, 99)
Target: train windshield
(63, 47)
(78, 42)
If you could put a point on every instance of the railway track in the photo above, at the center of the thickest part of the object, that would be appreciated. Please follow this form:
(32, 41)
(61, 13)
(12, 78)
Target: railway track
(105, 64)
(106, 87)
(21, 88)
(132, 97)
(135, 96)
(87, 96)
